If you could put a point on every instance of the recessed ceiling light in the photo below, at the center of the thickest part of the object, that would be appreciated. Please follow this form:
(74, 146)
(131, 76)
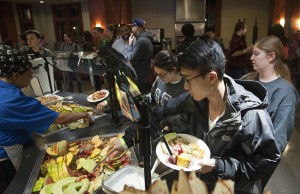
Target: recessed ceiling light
(41, 1)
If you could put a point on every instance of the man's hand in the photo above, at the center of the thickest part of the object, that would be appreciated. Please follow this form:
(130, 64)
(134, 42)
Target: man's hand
(101, 106)
(131, 39)
(207, 165)
(115, 146)
(90, 118)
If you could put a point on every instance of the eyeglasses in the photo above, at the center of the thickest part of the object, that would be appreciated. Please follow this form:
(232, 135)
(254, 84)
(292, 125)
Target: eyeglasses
(189, 80)
(162, 76)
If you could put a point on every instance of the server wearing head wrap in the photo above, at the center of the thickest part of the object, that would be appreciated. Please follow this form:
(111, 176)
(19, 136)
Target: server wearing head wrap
(20, 115)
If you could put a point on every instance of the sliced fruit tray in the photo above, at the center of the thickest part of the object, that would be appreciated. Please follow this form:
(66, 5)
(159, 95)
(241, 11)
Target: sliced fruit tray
(65, 106)
(78, 166)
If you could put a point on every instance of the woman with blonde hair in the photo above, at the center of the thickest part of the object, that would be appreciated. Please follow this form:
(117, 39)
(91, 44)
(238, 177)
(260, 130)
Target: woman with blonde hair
(274, 75)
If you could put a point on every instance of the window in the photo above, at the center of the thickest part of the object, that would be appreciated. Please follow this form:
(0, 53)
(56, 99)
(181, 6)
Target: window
(25, 17)
(68, 18)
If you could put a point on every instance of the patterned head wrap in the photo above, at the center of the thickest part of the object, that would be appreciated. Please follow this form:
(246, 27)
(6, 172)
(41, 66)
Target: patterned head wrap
(12, 60)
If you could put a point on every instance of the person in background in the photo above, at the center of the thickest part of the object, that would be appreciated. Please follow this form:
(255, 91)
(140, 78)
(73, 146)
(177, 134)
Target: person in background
(99, 38)
(294, 58)
(279, 32)
(211, 33)
(100, 41)
(274, 75)
(229, 116)
(44, 40)
(168, 85)
(188, 31)
(121, 44)
(21, 115)
(70, 46)
(22, 41)
(34, 49)
(237, 65)
(87, 41)
(87, 46)
(8, 42)
(111, 33)
(140, 53)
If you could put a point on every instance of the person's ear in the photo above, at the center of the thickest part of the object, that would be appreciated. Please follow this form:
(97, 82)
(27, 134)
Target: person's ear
(272, 57)
(15, 75)
(213, 76)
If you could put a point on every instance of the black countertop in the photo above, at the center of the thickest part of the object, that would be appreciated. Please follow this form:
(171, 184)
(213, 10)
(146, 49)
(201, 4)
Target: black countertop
(33, 149)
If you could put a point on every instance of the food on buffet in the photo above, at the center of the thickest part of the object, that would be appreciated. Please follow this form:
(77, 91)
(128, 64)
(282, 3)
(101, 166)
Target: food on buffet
(81, 123)
(79, 166)
(63, 107)
(58, 149)
(183, 151)
(49, 99)
(69, 107)
(98, 96)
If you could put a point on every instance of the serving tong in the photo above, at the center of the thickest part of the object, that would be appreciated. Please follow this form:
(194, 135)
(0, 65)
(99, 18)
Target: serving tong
(105, 157)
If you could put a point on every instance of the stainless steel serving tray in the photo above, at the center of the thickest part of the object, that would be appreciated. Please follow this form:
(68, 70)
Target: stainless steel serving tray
(35, 172)
(67, 127)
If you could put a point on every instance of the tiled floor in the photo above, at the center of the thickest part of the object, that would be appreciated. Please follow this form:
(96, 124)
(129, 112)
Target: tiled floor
(286, 178)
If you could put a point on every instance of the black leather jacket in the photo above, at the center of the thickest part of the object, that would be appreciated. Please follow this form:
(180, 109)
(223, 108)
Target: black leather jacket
(242, 141)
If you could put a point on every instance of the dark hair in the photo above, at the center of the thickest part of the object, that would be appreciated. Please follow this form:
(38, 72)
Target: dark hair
(121, 25)
(211, 29)
(68, 34)
(165, 60)
(35, 32)
(188, 30)
(204, 55)
(239, 26)
(8, 42)
(279, 32)
(23, 36)
(99, 29)
(87, 36)
(113, 28)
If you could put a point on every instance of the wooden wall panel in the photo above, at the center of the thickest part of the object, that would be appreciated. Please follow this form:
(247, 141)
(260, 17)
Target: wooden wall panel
(8, 26)
(288, 9)
(97, 12)
(109, 12)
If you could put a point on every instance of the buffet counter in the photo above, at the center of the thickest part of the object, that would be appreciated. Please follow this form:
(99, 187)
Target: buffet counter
(33, 149)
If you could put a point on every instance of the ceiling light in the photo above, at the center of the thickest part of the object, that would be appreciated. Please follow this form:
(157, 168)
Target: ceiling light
(41, 1)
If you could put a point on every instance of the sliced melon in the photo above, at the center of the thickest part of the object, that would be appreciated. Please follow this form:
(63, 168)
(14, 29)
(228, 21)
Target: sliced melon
(85, 186)
(170, 136)
(88, 165)
(58, 187)
(91, 187)
(47, 189)
(51, 152)
(73, 188)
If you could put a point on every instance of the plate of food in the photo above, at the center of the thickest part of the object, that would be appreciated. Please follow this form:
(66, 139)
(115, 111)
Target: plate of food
(98, 96)
(186, 150)
(49, 99)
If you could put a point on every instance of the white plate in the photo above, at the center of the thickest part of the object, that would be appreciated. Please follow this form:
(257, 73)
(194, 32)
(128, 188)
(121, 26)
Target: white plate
(163, 154)
(90, 99)
(59, 98)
